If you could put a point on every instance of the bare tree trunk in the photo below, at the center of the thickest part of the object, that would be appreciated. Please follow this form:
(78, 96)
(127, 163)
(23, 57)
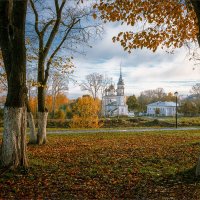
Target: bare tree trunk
(31, 123)
(42, 117)
(42, 123)
(13, 151)
(33, 136)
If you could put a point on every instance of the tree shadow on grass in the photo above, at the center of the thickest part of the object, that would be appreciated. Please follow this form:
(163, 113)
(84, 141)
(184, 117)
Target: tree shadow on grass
(181, 185)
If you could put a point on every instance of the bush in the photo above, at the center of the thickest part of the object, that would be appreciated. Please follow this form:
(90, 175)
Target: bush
(84, 122)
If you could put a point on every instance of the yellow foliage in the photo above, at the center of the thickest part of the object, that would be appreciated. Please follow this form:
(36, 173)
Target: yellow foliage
(86, 113)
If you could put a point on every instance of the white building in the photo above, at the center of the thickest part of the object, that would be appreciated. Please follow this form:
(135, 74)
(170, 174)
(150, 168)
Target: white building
(114, 101)
(162, 108)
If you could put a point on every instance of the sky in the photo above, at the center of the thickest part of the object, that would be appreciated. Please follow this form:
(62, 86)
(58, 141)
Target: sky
(141, 70)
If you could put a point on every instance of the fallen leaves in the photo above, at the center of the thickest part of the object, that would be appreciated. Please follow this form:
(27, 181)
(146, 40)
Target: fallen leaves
(108, 166)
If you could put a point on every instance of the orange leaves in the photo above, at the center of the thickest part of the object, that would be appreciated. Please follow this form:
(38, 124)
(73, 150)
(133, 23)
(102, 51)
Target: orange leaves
(33, 105)
(155, 23)
(94, 16)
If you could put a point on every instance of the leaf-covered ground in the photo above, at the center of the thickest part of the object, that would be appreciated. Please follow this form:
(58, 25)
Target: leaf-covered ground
(109, 166)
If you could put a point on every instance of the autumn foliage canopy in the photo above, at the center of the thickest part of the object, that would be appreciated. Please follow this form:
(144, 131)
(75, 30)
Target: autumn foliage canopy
(153, 23)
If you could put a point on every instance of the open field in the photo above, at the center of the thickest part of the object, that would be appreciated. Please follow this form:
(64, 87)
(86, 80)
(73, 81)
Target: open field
(150, 165)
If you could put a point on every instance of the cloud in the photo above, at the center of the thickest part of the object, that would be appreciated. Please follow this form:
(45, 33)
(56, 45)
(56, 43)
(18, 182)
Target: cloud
(141, 69)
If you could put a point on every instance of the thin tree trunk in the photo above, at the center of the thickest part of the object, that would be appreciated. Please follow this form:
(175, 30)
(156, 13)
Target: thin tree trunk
(31, 123)
(42, 123)
(42, 117)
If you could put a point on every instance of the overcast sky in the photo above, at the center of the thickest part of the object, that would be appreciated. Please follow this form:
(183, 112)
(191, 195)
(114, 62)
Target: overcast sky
(142, 69)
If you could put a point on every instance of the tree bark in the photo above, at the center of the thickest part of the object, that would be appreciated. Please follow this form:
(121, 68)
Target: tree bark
(42, 123)
(42, 117)
(13, 151)
(31, 123)
(33, 136)
(12, 43)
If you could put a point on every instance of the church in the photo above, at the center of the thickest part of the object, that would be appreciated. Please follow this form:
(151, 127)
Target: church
(114, 101)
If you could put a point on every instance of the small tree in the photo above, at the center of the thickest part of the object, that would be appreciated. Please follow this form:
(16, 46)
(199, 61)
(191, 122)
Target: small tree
(132, 103)
(86, 113)
(59, 25)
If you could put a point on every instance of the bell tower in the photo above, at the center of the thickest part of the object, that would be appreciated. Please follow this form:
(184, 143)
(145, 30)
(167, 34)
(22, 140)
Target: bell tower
(120, 84)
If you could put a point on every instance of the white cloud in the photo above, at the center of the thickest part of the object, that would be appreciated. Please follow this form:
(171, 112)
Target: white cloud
(142, 69)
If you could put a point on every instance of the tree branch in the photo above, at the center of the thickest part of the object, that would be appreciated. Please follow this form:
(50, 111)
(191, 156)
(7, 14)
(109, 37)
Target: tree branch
(58, 48)
(55, 28)
(46, 26)
(36, 19)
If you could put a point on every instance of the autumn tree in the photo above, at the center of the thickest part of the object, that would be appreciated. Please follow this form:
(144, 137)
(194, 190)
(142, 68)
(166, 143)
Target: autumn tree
(59, 86)
(155, 23)
(169, 97)
(58, 25)
(57, 103)
(86, 113)
(188, 108)
(132, 103)
(12, 43)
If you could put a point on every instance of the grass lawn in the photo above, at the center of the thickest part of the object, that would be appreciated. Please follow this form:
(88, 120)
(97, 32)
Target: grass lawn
(150, 165)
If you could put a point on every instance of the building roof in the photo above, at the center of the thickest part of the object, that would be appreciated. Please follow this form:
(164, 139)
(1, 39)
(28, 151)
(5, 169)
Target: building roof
(121, 81)
(163, 104)
(111, 87)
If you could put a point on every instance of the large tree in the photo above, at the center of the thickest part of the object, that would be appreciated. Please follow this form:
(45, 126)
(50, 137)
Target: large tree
(12, 43)
(58, 25)
(155, 23)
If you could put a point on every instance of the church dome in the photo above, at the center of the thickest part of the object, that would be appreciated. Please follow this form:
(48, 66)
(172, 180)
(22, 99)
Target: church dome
(111, 87)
